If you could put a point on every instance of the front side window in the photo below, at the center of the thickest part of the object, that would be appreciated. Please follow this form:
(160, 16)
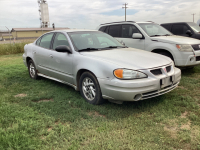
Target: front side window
(115, 30)
(93, 39)
(46, 40)
(128, 30)
(179, 29)
(154, 29)
(60, 39)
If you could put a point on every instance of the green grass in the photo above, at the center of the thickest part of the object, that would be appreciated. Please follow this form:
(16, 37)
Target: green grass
(66, 121)
(7, 49)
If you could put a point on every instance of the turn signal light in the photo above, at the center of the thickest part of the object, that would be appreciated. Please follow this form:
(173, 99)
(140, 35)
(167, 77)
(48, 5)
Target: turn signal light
(118, 73)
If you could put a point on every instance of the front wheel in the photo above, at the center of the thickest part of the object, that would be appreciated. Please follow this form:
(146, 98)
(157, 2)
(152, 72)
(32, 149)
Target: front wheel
(90, 89)
(32, 70)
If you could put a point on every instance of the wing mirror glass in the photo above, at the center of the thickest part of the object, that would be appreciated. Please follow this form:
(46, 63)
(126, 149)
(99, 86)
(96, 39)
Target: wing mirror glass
(137, 36)
(188, 32)
(63, 48)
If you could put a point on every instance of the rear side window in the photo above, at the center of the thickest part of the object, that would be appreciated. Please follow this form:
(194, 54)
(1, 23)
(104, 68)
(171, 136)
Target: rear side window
(179, 29)
(128, 30)
(46, 40)
(115, 30)
(102, 29)
(38, 42)
(166, 26)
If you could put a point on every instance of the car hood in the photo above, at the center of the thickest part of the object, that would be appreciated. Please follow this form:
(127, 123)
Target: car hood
(176, 39)
(130, 58)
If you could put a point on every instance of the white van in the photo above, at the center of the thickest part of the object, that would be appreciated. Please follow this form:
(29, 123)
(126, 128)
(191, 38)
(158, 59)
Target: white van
(149, 36)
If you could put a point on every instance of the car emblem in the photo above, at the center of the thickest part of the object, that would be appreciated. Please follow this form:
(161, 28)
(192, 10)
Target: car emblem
(165, 70)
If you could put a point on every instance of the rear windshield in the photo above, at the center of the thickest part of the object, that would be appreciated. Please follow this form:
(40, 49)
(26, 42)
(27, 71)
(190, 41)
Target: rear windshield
(194, 26)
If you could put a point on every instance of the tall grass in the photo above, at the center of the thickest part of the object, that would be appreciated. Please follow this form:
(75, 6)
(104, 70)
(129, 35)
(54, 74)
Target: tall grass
(7, 49)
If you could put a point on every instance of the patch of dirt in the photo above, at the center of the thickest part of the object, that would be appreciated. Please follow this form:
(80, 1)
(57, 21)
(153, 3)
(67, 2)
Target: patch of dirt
(186, 126)
(172, 131)
(181, 87)
(49, 129)
(184, 115)
(21, 95)
(44, 100)
(96, 114)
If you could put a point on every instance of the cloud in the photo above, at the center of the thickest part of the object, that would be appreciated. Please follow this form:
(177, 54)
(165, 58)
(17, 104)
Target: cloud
(90, 13)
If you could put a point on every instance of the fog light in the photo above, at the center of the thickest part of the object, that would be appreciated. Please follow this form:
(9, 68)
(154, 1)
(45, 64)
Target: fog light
(192, 59)
(138, 97)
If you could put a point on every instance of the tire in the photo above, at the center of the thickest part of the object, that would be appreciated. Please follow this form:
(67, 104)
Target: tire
(32, 70)
(167, 54)
(90, 89)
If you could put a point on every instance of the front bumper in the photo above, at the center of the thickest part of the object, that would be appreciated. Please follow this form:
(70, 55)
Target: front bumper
(128, 90)
(187, 59)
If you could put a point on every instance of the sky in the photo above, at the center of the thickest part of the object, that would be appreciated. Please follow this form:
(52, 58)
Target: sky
(88, 14)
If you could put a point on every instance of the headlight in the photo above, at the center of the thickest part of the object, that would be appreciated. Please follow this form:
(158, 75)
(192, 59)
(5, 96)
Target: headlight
(128, 74)
(184, 48)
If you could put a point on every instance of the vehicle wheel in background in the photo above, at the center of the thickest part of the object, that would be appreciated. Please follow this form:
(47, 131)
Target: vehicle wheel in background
(90, 89)
(32, 70)
(166, 54)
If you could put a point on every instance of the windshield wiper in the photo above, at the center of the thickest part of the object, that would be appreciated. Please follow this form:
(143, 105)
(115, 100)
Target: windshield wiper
(155, 35)
(116, 47)
(167, 35)
(89, 49)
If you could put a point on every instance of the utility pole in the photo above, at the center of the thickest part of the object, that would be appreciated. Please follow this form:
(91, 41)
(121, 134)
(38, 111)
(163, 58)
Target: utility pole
(9, 34)
(193, 17)
(125, 9)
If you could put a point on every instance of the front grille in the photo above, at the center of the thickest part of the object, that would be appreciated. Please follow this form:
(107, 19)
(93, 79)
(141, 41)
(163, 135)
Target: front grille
(156, 72)
(198, 58)
(196, 47)
(168, 68)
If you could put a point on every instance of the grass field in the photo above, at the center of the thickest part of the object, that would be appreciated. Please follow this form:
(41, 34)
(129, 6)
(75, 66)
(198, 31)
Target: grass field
(45, 114)
(7, 49)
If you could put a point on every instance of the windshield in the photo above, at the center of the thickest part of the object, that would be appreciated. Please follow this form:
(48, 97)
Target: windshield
(194, 26)
(93, 40)
(154, 29)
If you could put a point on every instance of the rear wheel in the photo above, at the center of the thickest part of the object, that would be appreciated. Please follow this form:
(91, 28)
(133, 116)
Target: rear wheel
(90, 89)
(32, 70)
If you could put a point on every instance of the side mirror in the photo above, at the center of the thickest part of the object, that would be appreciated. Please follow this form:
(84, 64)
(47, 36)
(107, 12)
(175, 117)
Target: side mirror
(63, 48)
(188, 32)
(137, 36)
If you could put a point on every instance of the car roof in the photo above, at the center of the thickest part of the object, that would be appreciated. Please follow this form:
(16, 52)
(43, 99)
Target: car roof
(176, 22)
(73, 30)
(120, 22)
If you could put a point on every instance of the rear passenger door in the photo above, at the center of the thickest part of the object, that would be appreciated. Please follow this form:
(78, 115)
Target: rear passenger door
(61, 62)
(41, 53)
(126, 37)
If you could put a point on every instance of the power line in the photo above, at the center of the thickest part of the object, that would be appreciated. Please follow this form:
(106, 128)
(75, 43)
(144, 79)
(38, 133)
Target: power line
(125, 9)
(193, 17)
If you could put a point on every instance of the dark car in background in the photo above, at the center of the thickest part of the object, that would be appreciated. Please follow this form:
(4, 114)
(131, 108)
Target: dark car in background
(189, 29)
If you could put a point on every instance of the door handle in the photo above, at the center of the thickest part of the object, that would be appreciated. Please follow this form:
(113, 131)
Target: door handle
(51, 56)
(34, 52)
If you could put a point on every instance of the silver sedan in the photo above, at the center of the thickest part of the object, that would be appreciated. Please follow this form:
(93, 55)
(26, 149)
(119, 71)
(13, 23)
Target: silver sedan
(100, 67)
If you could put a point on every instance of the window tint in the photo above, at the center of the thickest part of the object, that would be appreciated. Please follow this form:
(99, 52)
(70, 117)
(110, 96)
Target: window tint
(128, 30)
(60, 39)
(38, 41)
(107, 28)
(102, 29)
(179, 29)
(115, 31)
(46, 40)
(166, 26)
